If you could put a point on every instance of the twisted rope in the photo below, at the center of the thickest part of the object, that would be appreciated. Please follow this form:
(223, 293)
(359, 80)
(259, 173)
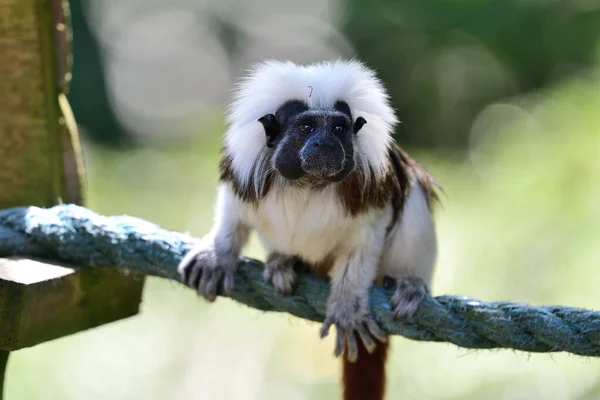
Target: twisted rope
(81, 237)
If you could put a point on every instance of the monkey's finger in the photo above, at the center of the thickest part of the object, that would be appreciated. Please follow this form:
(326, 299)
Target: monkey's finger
(267, 273)
(404, 312)
(366, 338)
(352, 348)
(406, 303)
(188, 262)
(206, 276)
(194, 273)
(209, 297)
(376, 330)
(339, 343)
(184, 267)
(228, 282)
(184, 273)
(325, 327)
(186, 270)
(204, 287)
(211, 284)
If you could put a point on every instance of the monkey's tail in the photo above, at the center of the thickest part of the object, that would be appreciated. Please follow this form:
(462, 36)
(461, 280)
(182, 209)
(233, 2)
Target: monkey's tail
(365, 378)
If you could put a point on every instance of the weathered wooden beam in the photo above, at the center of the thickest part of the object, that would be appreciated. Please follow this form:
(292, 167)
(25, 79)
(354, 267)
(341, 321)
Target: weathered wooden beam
(41, 164)
(41, 301)
(29, 119)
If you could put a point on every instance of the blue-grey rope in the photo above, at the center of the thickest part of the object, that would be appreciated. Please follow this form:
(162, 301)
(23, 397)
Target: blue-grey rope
(80, 237)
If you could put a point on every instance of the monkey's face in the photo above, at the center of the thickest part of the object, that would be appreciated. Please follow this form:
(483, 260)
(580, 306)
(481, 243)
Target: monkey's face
(312, 143)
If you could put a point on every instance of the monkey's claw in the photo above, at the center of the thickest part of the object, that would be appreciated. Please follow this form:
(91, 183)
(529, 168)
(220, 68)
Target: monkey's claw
(279, 272)
(207, 272)
(410, 290)
(351, 323)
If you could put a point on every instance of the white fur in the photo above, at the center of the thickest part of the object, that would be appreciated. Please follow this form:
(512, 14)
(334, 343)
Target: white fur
(272, 83)
(356, 268)
(310, 224)
(411, 246)
(313, 225)
(229, 234)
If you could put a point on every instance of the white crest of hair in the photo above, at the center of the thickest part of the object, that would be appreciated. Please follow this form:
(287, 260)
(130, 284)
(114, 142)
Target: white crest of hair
(271, 83)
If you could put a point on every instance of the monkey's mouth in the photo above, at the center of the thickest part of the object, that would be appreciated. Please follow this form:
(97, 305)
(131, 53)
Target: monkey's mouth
(322, 166)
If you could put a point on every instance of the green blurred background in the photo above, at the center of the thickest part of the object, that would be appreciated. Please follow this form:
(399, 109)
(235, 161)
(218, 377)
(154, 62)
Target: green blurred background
(499, 99)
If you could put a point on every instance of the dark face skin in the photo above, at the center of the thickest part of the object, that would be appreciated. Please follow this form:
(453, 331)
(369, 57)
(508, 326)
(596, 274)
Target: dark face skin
(312, 143)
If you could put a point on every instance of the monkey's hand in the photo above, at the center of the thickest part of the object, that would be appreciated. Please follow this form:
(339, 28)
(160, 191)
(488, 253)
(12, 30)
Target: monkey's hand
(279, 272)
(208, 270)
(410, 290)
(351, 316)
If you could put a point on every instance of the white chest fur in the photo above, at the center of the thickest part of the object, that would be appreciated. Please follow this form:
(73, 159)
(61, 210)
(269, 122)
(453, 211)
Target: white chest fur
(311, 224)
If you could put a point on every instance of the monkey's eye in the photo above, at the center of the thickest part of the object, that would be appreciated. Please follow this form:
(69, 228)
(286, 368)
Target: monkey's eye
(306, 128)
(339, 129)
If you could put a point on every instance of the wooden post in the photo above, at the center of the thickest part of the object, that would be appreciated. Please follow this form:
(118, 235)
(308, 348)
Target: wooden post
(3, 360)
(41, 164)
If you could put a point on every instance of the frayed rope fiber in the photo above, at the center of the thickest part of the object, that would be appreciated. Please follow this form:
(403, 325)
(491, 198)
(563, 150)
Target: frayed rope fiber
(80, 237)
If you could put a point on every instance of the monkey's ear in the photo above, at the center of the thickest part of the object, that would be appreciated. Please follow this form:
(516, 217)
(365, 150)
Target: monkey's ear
(271, 128)
(360, 121)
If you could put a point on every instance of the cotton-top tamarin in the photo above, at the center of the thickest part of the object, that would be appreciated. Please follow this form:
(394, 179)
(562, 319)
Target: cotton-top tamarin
(309, 163)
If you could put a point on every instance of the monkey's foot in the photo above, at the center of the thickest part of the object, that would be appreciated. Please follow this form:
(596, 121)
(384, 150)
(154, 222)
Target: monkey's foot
(279, 272)
(208, 272)
(410, 290)
(351, 317)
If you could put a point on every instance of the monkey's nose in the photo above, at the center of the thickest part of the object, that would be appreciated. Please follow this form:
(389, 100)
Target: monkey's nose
(322, 158)
(322, 144)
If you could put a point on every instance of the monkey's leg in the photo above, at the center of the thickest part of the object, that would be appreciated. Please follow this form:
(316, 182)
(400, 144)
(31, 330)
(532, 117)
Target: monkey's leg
(280, 272)
(410, 290)
(209, 267)
(348, 301)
